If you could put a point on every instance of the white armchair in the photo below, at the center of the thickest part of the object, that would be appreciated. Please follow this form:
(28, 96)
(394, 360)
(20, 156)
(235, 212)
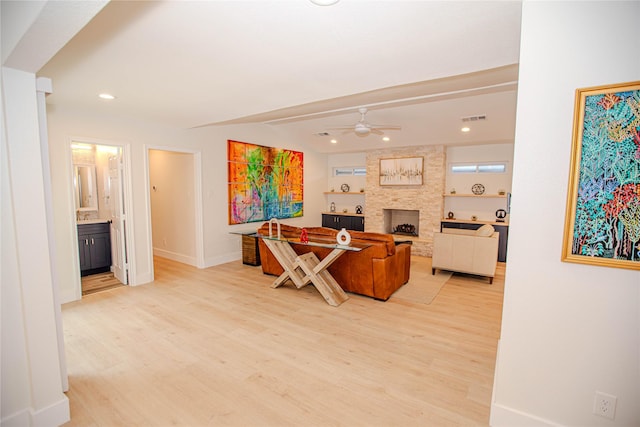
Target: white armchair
(466, 251)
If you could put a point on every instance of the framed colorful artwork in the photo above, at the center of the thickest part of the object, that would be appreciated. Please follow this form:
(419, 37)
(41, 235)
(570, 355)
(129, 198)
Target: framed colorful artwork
(401, 171)
(602, 223)
(263, 182)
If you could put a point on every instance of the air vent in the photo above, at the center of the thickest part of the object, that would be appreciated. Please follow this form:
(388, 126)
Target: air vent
(322, 134)
(474, 118)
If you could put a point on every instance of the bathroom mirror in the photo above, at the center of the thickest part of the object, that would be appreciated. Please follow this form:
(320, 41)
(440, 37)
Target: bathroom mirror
(86, 190)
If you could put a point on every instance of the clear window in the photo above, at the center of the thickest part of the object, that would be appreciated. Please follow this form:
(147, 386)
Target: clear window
(489, 167)
(464, 168)
(493, 168)
(350, 171)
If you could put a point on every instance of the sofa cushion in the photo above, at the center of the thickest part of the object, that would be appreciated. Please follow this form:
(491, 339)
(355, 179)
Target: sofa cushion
(485, 231)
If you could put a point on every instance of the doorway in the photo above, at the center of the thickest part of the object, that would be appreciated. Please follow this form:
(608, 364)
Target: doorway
(100, 199)
(175, 205)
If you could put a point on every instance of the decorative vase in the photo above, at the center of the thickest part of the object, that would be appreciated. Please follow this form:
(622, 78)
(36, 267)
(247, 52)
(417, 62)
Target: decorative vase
(332, 208)
(304, 237)
(343, 237)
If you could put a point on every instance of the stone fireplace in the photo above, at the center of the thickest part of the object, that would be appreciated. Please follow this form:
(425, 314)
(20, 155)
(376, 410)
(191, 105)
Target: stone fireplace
(426, 201)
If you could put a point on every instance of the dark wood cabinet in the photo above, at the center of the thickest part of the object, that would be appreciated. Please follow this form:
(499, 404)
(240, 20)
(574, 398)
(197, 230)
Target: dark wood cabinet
(503, 229)
(340, 221)
(94, 246)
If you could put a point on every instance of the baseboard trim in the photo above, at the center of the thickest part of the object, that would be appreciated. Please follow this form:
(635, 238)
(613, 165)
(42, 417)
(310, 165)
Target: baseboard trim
(175, 257)
(209, 262)
(508, 417)
(223, 259)
(53, 415)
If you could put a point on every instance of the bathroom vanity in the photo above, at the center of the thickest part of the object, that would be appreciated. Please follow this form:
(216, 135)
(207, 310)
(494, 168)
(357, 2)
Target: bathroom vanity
(94, 244)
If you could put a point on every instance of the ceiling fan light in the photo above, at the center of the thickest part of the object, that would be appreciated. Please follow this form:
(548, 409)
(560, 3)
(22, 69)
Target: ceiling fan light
(362, 130)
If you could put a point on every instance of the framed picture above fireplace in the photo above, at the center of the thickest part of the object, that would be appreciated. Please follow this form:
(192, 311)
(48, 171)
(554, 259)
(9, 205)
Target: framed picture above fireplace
(401, 171)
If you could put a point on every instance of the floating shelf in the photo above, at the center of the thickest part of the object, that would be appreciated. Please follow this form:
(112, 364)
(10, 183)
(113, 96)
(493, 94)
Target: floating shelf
(478, 196)
(342, 192)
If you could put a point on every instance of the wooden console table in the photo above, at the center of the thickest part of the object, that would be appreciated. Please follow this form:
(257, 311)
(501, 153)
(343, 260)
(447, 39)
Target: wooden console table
(307, 268)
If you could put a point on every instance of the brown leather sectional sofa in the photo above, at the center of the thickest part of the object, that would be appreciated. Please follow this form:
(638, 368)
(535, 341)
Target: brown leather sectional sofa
(376, 271)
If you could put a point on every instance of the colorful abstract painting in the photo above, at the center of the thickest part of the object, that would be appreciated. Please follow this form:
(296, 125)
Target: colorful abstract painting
(264, 182)
(603, 216)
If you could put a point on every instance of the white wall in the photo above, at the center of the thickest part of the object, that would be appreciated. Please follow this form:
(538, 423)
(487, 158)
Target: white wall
(355, 183)
(568, 330)
(211, 142)
(482, 208)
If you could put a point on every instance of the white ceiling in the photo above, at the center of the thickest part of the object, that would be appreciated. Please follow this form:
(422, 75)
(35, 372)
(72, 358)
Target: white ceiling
(419, 64)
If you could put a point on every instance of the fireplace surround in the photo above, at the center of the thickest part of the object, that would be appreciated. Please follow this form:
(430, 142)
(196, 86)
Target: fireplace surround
(405, 222)
(427, 199)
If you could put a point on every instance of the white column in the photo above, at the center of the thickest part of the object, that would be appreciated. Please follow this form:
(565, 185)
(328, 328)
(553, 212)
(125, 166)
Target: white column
(32, 388)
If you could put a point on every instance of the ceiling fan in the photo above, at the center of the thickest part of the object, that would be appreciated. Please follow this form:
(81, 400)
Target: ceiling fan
(364, 128)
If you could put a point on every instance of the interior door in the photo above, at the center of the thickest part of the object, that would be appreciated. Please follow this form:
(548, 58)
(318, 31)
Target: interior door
(118, 218)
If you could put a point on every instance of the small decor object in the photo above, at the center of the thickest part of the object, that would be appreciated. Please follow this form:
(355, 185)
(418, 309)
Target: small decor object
(453, 191)
(345, 210)
(304, 237)
(502, 192)
(362, 190)
(450, 215)
(332, 190)
(343, 237)
(332, 207)
(501, 214)
(474, 218)
(477, 189)
(359, 209)
(402, 171)
(344, 188)
(602, 222)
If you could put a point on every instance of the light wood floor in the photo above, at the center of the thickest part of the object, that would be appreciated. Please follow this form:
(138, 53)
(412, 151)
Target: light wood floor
(219, 347)
(99, 282)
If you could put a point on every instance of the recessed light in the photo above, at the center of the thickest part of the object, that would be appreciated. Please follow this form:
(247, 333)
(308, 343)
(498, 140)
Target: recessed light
(386, 139)
(334, 141)
(324, 2)
(465, 129)
(106, 96)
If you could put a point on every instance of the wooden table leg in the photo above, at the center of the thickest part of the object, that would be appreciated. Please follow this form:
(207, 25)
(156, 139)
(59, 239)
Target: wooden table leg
(307, 268)
(286, 256)
(324, 282)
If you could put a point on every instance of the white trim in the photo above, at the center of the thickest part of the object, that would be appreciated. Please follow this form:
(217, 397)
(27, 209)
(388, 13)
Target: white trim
(43, 86)
(223, 259)
(508, 417)
(76, 294)
(189, 260)
(127, 188)
(53, 415)
(199, 225)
